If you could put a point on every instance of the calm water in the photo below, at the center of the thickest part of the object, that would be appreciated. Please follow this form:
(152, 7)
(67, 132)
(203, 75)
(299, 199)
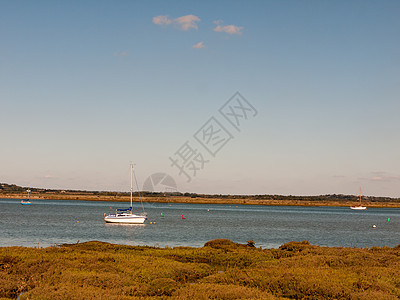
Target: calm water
(51, 222)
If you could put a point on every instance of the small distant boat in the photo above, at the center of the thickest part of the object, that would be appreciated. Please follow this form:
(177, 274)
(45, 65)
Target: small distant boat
(127, 216)
(27, 201)
(359, 206)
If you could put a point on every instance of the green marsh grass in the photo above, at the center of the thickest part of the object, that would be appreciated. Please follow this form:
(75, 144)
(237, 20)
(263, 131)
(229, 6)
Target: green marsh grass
(221, 269)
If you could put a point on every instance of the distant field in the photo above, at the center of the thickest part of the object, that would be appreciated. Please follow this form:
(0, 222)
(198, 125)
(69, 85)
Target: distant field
(211, 199)
(219, 270)
(18, 192)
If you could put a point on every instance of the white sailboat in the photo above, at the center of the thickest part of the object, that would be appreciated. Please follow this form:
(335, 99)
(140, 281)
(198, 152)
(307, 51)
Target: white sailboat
(359, 206)
(127, 216)
(27, 201)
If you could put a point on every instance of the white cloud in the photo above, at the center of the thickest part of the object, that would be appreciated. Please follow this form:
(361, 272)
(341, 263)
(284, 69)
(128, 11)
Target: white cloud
(187, 22)
(161, 20)
(199, 45)
(184, 22)
(230, 29)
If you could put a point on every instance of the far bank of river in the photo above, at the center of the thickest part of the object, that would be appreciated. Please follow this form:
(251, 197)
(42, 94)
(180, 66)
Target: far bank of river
(393, 203)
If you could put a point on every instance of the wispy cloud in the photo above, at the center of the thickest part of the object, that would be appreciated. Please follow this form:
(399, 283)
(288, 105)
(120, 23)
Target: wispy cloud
(338, 176)
(185, 22)
(385, 178)
(230, 29)
(123, 53)
(199, 45)
(381, 176)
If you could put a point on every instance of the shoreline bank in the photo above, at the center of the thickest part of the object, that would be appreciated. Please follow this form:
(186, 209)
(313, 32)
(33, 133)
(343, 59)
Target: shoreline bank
(202, 200)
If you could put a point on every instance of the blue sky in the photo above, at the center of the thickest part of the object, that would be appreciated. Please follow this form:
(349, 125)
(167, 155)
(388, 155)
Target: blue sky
(86, 87)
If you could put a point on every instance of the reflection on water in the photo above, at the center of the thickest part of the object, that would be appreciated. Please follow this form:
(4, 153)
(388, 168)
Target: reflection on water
(51, 222)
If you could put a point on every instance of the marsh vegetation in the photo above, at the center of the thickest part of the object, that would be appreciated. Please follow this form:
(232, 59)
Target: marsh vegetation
(219, 270)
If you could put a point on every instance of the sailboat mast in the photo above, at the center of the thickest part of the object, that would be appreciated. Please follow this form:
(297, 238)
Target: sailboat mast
(360, 196)
(131, 183)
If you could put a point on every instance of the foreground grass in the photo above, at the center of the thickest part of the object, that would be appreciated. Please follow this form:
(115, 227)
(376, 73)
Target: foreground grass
(219, 270)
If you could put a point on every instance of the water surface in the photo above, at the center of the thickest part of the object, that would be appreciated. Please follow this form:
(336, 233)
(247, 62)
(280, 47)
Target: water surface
(52, 222)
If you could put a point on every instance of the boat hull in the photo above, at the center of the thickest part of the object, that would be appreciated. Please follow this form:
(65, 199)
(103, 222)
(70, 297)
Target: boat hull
(358, 207)
(125, 218)
(26, 203)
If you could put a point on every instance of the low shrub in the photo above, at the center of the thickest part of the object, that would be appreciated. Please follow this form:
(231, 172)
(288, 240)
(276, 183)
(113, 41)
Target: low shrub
(218, 291)
(221, 244)
(221, 269)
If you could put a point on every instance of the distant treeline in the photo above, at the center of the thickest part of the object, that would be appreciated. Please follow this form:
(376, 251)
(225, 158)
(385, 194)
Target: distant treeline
(14, 189)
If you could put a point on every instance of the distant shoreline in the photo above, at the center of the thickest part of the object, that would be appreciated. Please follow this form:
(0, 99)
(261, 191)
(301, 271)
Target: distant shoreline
(296, 201)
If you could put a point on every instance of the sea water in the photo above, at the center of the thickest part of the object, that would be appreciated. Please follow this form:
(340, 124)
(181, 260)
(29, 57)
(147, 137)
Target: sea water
(55, 222)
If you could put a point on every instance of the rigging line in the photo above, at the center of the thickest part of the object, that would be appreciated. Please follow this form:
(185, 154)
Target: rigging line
(137, 187)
